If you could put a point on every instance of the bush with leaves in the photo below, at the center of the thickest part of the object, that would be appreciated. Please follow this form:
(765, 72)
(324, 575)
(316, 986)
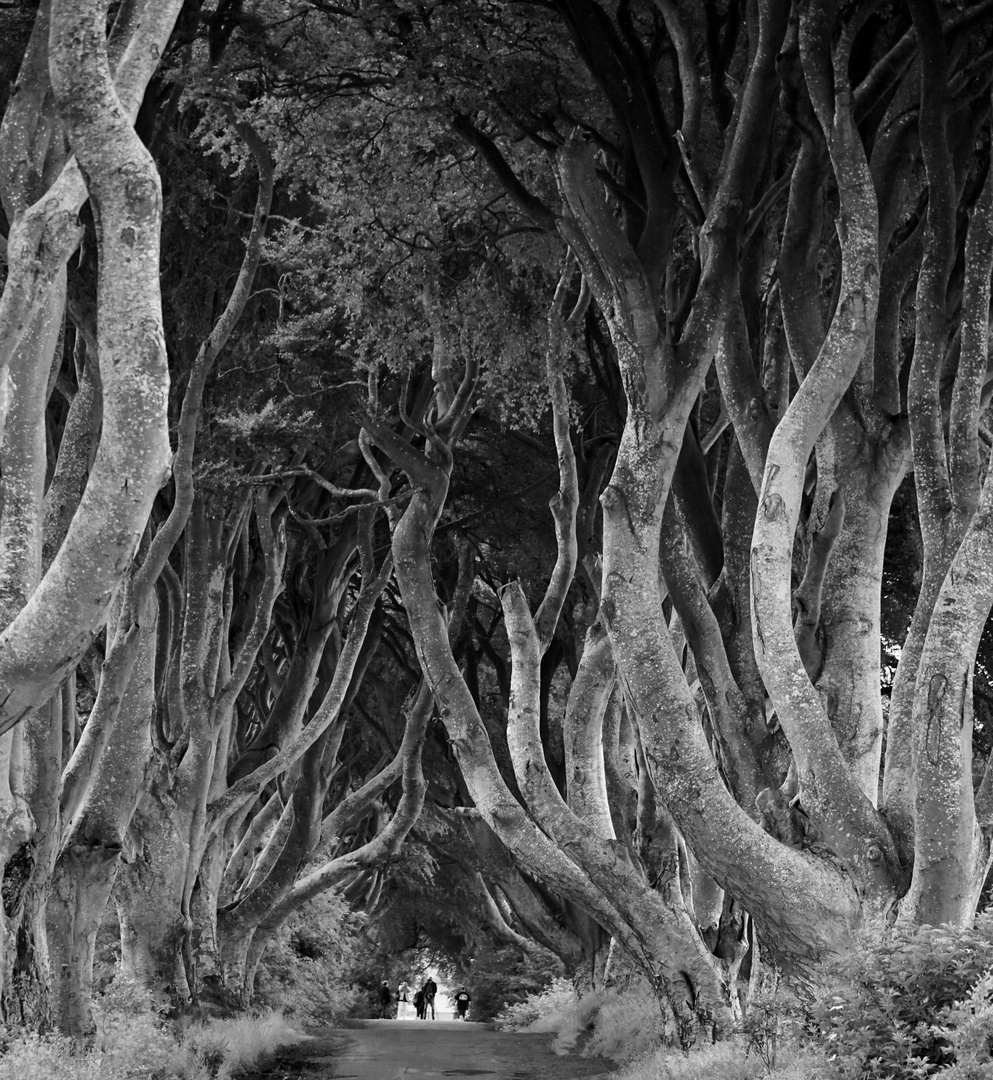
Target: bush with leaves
(967, 1026)
(142, 1050)
(223, 1049)
(502, 976)
(773, 1017)
(307, 971)
(917, 1004)
(628, 1024)
(553, 999)
(132, 1042)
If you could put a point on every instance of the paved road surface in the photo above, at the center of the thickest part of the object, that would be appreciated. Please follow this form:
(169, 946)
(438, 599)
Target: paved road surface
(432, 1050)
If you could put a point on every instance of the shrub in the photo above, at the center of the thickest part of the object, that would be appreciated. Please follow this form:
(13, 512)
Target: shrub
(967, 1027)
(504, 976)
(622, 1024)
(142, 1050)
(726, 1060)
(306, 970)
(132, 1043)
(774, 1017)
(550, 1001)
(912, 1005)
(628, 1024)
(222, 1049)
(48, 1057)
(556, 1010)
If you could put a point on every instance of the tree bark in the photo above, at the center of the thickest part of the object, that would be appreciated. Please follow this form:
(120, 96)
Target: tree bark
(951, 851)
(49, 634)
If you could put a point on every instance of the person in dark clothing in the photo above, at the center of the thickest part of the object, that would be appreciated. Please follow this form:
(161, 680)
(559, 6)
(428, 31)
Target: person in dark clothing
(419, 1004)
(385, 997)
(430, 988)
(462, 1000)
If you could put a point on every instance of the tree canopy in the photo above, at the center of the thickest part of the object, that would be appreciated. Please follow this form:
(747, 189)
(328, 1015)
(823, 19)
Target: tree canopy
(531, 452)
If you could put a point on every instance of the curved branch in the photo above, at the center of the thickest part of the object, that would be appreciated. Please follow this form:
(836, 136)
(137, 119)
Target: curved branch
(246, 789)
(889, 68)
(809, 593)
(652, 916)
(535, 209)
(565, 504)
(689, 74)
(182, 467)
(458, 411)
(400, 452)
(58, 622)
(964, 461)
(830, 796)
(387, 842)
(273, 542)
(931, 331)
(42, 239)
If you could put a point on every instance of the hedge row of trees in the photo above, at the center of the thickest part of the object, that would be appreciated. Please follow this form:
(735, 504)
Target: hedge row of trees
(310, 308)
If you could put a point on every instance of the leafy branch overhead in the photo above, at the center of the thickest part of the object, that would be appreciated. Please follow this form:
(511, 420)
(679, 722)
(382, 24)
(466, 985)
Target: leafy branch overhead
(538, 450)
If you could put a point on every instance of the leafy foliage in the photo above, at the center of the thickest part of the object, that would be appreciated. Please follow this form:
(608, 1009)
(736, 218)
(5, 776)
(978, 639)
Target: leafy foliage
(774, 1017)
(627, 1025)
(134, 1043)
(558, 995)
(426, 906)
(967, 1025)
(503, 976)
(725, 1059)
(308, 969)
(226, 1048)
(916, 1004)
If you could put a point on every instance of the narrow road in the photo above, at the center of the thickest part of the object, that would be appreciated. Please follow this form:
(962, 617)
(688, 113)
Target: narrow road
(431, 1050)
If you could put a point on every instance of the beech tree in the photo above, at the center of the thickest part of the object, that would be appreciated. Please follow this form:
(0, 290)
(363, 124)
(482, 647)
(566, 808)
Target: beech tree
(758, 707)
(65, 550)
(724, 269)
(125, 797)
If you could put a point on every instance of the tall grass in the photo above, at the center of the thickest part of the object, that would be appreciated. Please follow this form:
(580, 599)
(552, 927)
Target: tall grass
(728, 1060)
(614, 1023)
(52, 1057)
(222, 1049)
(538, 1008)
(626, 1025)
(142, 1048)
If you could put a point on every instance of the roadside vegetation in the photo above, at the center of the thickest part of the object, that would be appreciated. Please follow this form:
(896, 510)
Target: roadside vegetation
(506, 490)
(919, 1004)
(145, 1046)
(307, 981)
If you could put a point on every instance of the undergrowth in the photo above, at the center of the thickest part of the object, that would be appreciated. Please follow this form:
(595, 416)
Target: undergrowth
(140, 1046)
(628, 1025)
(546, 1003)
(617, 1024)
(727, 1059)
(307, 969)
(917, 1005)
(222, 1049)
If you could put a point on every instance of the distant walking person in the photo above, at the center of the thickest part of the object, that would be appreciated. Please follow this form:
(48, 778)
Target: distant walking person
(403, 995)
(430, 989)
(385, 997)
(462, 1000)
(419, 1004)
